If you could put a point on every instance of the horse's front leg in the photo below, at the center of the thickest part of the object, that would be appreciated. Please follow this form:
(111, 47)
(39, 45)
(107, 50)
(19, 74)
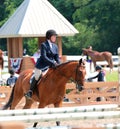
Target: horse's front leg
(58, 104)
(40, 106)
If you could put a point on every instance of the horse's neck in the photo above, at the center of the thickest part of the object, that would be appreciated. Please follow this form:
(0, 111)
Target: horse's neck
(64, 72)
(68, 70)
(91, 52)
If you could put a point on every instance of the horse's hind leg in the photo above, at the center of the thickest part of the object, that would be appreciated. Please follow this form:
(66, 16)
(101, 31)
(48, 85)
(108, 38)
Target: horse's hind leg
(16, 100)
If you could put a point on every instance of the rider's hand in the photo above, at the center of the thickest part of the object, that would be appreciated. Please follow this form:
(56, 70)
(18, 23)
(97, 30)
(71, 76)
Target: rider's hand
(54, 65)
(89, 80)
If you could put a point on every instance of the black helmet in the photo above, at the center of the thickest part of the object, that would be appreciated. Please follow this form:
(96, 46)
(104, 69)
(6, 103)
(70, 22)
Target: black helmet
(11, 71)
(98, 67)
(50, 33)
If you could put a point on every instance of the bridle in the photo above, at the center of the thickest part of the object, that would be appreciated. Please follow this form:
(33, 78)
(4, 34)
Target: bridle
(76, 71)
(76, 76)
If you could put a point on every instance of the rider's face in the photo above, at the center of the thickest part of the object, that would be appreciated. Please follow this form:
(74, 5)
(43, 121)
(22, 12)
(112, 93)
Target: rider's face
(53, 38)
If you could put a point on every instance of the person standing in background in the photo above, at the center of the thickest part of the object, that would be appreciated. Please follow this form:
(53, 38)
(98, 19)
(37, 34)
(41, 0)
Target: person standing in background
(12, 79)
(37, 55)
(100, 78)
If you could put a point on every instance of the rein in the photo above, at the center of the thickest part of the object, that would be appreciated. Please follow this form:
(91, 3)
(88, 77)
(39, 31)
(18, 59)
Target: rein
(68, 77)
(79, 87)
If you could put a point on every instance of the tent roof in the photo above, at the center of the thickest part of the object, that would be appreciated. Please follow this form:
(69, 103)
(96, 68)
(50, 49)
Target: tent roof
(33, 18)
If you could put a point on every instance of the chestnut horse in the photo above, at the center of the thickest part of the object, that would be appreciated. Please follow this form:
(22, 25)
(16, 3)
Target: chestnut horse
(99, 56)
(51, 88)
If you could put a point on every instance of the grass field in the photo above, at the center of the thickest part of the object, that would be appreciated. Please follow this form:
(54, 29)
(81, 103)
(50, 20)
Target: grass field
(113, 76)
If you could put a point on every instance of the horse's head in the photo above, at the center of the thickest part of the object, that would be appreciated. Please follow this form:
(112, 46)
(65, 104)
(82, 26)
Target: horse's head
(84, 51)
(80, 74)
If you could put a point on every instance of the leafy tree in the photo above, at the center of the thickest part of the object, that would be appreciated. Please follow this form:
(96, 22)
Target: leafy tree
(65, 7)
(102, 16)
(7, 8)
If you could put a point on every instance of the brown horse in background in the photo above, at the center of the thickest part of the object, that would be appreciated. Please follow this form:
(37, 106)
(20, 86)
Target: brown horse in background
(99, 56)
(51, 88)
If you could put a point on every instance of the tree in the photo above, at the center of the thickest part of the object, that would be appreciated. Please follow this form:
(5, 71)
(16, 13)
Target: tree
(7, 8)
(102, 16)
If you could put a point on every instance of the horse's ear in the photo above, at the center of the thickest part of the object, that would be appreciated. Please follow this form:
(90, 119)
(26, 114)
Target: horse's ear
(80, 61)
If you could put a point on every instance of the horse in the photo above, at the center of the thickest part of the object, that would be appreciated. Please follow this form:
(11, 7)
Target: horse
(51, 88)
(99, 56)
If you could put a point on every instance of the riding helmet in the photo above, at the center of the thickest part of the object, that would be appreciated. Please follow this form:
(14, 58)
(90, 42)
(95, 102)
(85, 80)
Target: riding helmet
(11, 71)
(50, 33)
(98, 67)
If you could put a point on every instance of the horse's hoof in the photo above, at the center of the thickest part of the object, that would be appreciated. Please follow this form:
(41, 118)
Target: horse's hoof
(58, 123)
(35, 124)
(66, 100)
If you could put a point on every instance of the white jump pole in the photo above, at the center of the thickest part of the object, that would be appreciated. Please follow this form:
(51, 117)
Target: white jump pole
(91, 108)
(62, 116)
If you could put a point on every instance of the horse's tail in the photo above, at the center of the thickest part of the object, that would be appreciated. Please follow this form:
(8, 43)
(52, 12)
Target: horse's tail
(8, 104)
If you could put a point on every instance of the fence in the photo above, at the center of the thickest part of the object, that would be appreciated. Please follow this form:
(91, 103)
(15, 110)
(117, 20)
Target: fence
(108, 92)
(102, 63)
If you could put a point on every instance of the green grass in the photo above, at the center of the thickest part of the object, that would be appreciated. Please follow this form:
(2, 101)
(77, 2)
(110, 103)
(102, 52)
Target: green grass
(113, 76)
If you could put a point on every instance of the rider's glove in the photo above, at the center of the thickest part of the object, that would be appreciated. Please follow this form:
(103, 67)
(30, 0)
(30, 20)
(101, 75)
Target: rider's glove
(54, 65)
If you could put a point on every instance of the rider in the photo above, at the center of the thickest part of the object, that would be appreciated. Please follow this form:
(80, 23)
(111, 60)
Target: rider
(100, 76)
(49, 58)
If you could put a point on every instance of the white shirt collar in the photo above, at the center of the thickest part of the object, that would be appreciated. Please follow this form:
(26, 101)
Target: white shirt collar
(50, 43)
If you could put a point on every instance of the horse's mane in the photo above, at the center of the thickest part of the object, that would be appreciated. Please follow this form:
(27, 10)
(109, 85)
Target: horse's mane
(91, 51)
(64, 63)
(52, 70)
(59, 66)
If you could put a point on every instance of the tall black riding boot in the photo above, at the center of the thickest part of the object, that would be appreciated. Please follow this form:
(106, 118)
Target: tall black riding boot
(28, 95)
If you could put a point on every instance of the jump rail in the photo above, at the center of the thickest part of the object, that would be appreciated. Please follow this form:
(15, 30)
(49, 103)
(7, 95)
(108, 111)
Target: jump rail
(91, 108)
(50, 114)
(106, 126)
